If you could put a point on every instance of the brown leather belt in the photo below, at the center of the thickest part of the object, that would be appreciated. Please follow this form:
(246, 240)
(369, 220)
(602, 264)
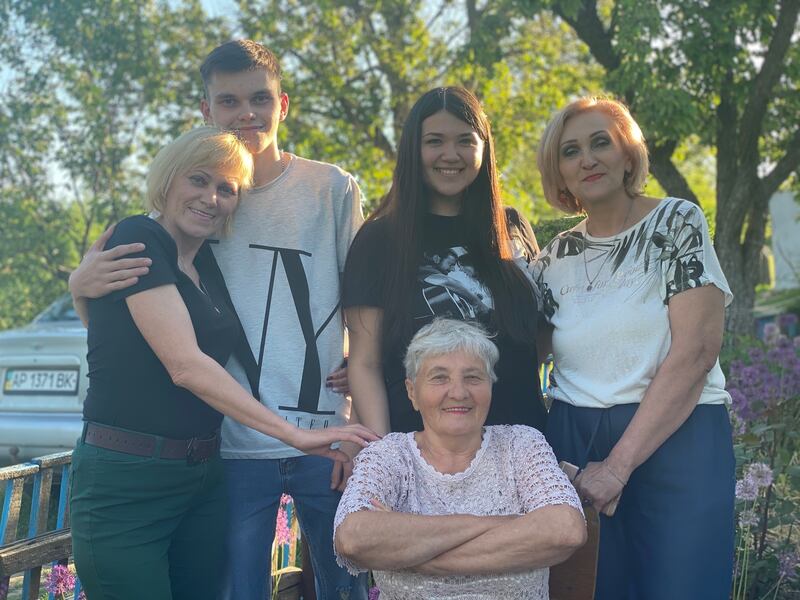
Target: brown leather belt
(194, 450)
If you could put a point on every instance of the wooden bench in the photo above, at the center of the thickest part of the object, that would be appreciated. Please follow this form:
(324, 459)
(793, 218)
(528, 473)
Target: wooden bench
(26, 542)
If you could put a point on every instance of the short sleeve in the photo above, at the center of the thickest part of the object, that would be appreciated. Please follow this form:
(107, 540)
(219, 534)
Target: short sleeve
(378, 473)
(688, 259)
(364, 280)
(350, 219)
(159, 247)
(540, 482)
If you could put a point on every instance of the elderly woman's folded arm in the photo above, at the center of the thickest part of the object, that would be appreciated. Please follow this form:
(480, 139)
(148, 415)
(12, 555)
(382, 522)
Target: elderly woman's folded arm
(394, 540)
(544, 537)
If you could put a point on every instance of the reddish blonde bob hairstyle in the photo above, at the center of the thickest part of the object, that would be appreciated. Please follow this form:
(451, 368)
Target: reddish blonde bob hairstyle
(626, 130)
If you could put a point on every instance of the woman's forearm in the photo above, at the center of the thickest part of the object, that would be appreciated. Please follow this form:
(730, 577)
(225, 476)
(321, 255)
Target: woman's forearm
(164, 322)
(544, 537)
(208, 380)
(696, 324)
(669, 400)
(365, 367)
(368, 392)
(393, 540)
(81, 306)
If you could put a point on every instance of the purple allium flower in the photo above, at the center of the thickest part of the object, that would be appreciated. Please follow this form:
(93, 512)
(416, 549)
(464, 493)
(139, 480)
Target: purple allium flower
(746, 489)
(785, 321)
(748, 518)
(741, 406)
(60, 580)
(374, 593)
(788, 561)
(4, 588)
(760, 474)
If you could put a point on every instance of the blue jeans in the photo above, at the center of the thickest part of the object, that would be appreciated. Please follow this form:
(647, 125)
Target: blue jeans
(254, 490)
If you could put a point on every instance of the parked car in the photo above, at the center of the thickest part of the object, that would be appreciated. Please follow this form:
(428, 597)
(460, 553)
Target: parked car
(43, 373)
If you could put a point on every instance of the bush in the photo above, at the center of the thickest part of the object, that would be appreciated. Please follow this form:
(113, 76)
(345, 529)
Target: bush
(547, 230)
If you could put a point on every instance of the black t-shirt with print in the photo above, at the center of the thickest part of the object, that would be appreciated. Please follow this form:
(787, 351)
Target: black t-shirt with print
(446, 286)
(128, 386)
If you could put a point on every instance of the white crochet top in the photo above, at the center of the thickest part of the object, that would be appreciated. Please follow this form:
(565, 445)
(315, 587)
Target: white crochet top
(514, 472)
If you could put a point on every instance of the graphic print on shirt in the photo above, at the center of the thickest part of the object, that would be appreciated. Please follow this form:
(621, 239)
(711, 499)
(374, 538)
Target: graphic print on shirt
(670, 238)
(450, 287)
(311, 380)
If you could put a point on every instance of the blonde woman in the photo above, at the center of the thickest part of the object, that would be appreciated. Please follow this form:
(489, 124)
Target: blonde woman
(147, 495)
(635, 297)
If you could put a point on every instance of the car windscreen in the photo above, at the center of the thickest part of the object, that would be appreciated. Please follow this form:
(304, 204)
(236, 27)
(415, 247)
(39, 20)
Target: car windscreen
(60, 310)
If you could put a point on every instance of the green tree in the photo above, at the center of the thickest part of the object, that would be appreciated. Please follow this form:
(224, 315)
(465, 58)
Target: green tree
(94, 88)
(354, 68)
(723, 72)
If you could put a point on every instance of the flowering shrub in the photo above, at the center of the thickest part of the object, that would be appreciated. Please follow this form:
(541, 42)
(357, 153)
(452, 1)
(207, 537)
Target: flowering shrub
(764, 382)
(60, 582)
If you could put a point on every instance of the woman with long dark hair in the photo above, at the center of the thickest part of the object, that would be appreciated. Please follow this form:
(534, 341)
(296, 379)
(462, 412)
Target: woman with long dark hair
(441, 244)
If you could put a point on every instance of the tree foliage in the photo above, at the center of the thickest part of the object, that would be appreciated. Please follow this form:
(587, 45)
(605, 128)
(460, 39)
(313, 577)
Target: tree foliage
(94, 88)
(354, 68)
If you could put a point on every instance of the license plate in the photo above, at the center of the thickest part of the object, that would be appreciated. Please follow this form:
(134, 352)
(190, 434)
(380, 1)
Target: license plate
(41, 381)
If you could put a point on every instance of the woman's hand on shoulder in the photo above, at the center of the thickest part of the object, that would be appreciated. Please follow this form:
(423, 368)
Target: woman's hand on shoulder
(318, 441)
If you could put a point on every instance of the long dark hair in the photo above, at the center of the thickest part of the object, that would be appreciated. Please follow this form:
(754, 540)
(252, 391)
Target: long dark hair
(405, 208)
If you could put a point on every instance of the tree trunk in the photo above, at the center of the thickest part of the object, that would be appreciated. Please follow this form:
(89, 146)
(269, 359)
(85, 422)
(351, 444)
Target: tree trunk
(740, 261)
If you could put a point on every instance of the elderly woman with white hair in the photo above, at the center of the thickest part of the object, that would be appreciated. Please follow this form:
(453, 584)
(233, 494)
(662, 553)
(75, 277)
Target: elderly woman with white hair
(457, 510)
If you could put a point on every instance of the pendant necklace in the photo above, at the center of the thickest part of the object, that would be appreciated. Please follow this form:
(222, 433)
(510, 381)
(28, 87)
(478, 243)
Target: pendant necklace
(210, 300)
(591, 280)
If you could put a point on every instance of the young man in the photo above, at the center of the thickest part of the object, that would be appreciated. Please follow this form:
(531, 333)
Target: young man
(281, 263)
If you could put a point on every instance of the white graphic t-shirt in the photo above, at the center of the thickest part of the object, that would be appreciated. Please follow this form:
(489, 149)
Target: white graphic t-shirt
(282, 264)
(607, 301)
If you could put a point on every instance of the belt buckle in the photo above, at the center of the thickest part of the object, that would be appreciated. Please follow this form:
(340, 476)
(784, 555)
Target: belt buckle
(192, 450)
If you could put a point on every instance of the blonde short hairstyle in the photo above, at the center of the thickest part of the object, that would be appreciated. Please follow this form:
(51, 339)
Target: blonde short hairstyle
(628, 132)
(200, 147)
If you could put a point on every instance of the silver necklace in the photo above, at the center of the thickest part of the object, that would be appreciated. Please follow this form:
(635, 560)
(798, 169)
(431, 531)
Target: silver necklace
(591, 280)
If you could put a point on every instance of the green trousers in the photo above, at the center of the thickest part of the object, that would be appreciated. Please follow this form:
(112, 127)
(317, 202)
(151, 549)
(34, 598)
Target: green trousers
(146, 527)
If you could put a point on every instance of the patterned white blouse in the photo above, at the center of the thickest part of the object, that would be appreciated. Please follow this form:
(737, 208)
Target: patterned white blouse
(514, 472)
(607, 299)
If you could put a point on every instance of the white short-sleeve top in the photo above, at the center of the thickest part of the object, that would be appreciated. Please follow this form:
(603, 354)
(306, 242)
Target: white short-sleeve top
(607, 299)
(513, 473)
